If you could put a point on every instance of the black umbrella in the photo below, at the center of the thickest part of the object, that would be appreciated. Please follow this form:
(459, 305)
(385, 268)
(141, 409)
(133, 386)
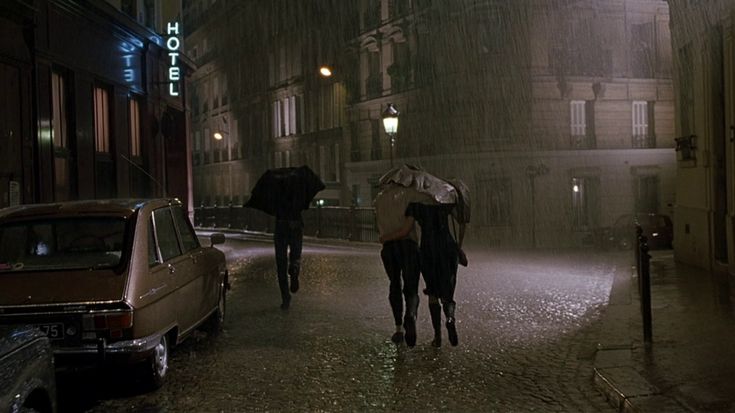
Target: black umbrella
(285, 191)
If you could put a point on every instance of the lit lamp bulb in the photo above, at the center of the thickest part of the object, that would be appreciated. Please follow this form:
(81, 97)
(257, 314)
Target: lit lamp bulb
(218, 136)
(325, 71)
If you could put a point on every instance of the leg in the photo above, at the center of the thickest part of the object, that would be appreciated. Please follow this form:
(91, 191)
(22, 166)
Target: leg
(294, 256)
(449, 282)
(411, 273)
(281, 244)
(449, 307)
(393, 270)
(436, 320)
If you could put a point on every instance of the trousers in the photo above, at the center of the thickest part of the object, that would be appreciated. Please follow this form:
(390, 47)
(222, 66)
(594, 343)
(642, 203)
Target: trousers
(288, 239)
(401, 262)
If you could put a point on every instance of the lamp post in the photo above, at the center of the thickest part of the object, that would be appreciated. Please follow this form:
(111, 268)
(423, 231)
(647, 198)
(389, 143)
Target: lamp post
(534, 171)
(390, 123)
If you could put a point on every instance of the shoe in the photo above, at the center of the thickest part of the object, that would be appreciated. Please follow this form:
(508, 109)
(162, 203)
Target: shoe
(437, 341)
(397, 337)
(286, 303)
(410, 325)
(294, 284)
(452, 332)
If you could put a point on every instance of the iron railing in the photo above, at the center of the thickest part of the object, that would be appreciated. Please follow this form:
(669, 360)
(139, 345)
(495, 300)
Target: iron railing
(348, 223)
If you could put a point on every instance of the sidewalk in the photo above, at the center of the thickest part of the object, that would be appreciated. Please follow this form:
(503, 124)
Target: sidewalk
(690, 366)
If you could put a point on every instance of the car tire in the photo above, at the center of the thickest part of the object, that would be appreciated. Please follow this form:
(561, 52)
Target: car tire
(156, 366)
(216, 321)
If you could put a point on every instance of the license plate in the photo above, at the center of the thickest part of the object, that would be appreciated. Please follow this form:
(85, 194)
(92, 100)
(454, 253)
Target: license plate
(54, 331)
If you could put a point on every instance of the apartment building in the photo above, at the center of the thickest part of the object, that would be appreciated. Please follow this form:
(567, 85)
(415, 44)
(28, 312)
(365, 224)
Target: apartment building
(703, 65)
(90, 113)
(259, 99)
(558, 115)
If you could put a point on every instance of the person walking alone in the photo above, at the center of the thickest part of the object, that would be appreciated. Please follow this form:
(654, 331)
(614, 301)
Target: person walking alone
(284, 193)
(288, 239)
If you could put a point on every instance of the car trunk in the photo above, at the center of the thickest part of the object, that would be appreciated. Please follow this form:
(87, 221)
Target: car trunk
(60, 287)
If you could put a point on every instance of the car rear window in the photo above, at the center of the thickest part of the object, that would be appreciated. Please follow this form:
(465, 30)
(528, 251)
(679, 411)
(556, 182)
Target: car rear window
(61, 244)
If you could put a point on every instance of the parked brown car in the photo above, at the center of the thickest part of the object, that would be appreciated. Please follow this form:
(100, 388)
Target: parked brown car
(110, 280)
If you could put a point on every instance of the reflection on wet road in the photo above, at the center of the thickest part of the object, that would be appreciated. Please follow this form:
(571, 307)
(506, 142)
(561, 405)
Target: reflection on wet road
(526, 326)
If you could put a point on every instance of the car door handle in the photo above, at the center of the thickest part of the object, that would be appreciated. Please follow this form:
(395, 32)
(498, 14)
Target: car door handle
(195, 256)
(171, 269)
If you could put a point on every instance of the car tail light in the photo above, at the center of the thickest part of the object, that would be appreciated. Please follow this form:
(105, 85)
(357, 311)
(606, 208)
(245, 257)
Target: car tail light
(113, 321)
(111, 324)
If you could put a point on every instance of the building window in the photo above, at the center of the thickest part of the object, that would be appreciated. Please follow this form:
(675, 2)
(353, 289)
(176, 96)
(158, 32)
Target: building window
(495, 194)
(686, 92)
(647, 193)
(376, 152)
(374, 81)
(278, 159)
(139, 180)
(642, 55)
(101, 120)
(225, 97)
(582, 115)
(60, 137)
(585, 202)
(642, 121)
(398, 8)
(277, 119)
(215, 93)
(105, 175)
(135, 150)
(400, 70)
(372, 13)
(329, 162)
(355, 155)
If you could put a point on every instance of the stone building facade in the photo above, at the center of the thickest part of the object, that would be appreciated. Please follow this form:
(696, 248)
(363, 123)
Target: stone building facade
(704, 63)
(559, 115)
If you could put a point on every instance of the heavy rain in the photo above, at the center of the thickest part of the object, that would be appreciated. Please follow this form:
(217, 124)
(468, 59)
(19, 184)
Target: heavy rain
(367, 205)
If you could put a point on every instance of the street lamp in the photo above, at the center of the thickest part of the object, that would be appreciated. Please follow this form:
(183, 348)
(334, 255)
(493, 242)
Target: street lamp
(218, 136)
(390, 123)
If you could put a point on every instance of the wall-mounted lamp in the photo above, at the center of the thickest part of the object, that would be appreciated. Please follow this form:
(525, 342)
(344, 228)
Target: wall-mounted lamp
(325, 71)
(223, 129)
(685, 147)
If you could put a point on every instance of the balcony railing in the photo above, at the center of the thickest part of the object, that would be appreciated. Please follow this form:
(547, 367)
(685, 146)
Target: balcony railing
(374, 85)
(583, 142)
(643, 141)
(349, 223)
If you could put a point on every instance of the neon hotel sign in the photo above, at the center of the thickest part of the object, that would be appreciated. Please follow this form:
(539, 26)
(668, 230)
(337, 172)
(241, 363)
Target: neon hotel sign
(173, 44)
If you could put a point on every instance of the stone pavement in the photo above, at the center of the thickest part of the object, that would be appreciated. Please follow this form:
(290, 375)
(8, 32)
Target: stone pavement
(690, 364)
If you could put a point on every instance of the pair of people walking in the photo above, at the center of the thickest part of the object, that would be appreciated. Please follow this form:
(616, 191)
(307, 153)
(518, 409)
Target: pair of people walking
(437, 259)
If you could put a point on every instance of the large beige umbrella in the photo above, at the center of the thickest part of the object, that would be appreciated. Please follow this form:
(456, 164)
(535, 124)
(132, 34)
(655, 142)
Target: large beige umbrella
(390, 207)
(411, 176)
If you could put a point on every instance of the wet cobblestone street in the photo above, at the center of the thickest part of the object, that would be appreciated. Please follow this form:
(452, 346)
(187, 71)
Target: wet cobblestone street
(526, 323)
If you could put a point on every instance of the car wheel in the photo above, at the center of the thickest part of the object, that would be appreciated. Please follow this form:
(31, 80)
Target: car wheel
(157, 364)
(217, 319)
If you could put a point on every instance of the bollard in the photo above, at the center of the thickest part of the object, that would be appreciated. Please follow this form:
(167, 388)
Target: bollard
(638, 236)
(645, 290)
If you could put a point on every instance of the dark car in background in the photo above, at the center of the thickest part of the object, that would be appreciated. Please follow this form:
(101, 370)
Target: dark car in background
(27, 376)
(110, 281)
(657, 228)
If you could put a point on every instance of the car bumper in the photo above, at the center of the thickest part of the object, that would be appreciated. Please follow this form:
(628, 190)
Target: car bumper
(126, 351)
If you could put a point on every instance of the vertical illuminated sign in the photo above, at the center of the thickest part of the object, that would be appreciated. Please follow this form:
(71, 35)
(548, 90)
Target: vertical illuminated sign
(173, 44)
